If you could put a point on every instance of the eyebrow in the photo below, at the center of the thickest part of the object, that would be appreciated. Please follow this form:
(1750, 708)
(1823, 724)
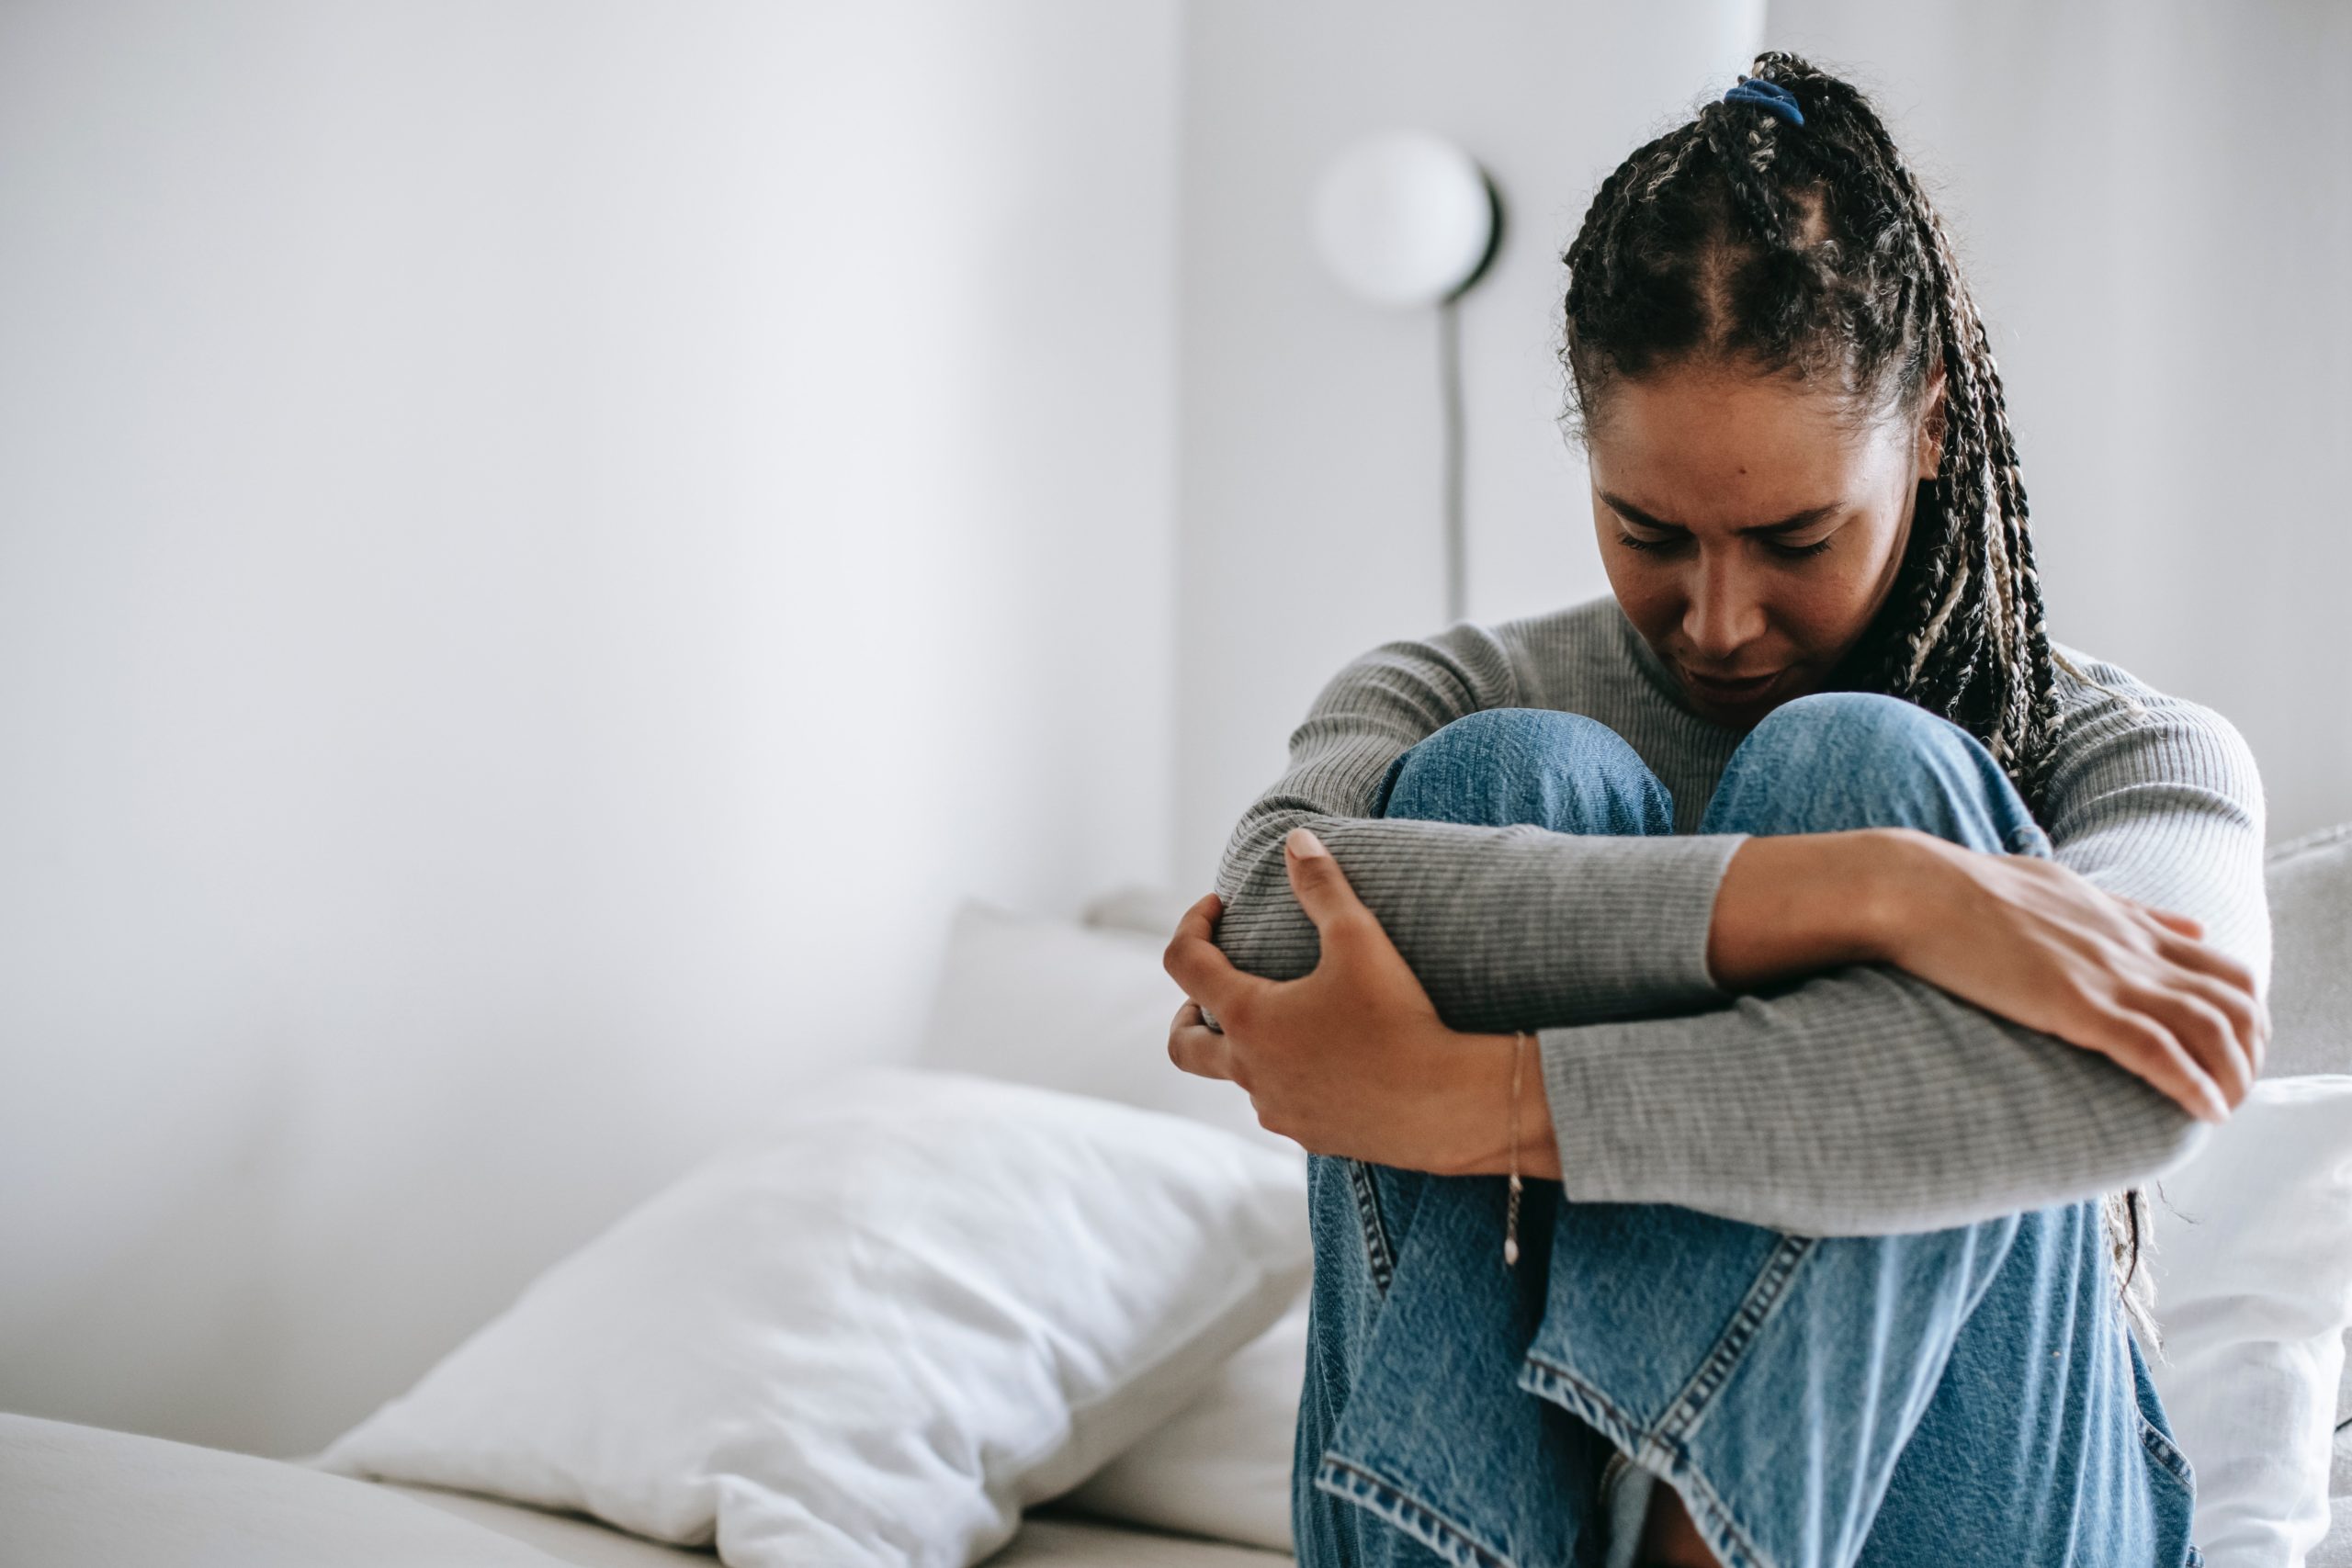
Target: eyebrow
(1789, 523)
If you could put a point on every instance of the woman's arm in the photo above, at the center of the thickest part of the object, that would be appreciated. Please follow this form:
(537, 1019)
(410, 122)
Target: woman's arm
(2027, 939)
(1863, 1101)
(1502, 925)
(1867, 1101)
(1513, 926)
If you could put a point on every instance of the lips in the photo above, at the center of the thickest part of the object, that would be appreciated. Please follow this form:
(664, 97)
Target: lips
(1716, 688)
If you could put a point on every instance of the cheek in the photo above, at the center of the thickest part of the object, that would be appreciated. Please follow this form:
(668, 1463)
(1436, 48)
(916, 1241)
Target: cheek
(1650, 593)
(1826, 610)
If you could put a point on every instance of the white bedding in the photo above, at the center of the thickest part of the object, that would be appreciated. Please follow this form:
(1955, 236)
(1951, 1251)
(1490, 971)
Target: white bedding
(1047, 1540)
(916, 1304)
(80, 1497)
(73, 1495)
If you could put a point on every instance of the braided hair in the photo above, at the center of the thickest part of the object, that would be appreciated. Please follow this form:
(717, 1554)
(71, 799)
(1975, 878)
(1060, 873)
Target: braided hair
(1810, 250)
(1807, 248)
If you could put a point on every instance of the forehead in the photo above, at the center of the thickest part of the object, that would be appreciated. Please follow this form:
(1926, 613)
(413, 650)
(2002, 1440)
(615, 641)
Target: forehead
(1705, 446)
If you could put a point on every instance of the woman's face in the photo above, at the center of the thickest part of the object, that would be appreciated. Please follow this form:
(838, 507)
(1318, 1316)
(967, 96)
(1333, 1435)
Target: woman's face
(1750, 533)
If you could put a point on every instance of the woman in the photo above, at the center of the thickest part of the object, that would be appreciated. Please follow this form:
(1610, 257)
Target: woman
(1875, 950)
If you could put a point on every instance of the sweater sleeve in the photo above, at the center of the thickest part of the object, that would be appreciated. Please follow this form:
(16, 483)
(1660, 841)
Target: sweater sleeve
(1864, 1101)
(1504, 926)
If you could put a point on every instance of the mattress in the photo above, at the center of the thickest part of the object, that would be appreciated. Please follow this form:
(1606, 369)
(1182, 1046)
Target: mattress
(73, 1496)
(1048, 1539)
(76, 1496)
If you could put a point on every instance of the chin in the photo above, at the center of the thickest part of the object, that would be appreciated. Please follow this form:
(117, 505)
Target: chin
(1741, 709)
(1733, 715)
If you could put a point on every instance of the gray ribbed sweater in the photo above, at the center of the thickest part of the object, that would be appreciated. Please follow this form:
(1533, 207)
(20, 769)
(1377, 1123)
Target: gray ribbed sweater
(1858, 1102)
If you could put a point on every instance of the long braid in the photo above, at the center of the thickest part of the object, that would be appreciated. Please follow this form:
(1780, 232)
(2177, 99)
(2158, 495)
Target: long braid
(2022, 666)
(1813, 250)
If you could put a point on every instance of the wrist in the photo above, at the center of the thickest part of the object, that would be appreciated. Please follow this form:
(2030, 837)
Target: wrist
(1483, 1115)
(1897, 871)
(1798, 902)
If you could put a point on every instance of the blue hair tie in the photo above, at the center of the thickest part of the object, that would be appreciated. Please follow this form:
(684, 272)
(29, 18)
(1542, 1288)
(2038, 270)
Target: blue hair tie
(1767, 95)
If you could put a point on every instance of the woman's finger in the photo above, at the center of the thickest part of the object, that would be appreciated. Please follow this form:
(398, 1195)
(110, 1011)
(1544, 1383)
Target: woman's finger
(2146, 1050)
(2227, 984)
(1194, 961)
(2185, 925)
(2208, 1035)
(1198, 1049)
(2194, 953)
(2249, 1021)
(1322, 888)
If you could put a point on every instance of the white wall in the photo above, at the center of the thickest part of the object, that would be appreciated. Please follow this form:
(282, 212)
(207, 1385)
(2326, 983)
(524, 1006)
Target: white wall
(541, 545)
(2155, 200)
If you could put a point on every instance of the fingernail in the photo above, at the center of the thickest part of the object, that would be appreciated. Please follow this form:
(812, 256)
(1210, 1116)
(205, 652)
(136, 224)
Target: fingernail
(1303, 843)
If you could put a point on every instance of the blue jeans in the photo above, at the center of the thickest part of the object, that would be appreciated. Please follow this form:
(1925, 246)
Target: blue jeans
(1957, 1397)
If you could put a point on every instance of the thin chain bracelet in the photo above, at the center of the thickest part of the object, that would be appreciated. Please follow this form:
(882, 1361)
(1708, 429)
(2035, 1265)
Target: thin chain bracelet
(1510, 1205)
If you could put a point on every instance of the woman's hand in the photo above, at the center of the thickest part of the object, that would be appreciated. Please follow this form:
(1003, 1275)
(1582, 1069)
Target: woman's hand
(1350, 1059)
(2032, 941)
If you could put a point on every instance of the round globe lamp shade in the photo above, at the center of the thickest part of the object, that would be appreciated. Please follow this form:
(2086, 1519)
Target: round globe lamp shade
(1405, 220)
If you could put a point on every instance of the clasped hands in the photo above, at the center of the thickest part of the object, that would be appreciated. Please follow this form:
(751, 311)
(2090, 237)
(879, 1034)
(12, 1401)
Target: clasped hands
(1352, 1058)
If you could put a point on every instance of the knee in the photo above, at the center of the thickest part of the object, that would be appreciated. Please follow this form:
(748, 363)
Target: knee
(1858, 728)
(1838, 760)
(1501, 766)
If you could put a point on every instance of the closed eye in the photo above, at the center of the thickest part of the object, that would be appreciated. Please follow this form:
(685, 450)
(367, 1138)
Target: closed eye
(1798, 552)
(1787, 552)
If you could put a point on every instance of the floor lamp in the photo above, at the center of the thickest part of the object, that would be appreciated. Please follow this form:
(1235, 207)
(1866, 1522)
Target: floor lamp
(1409, 221)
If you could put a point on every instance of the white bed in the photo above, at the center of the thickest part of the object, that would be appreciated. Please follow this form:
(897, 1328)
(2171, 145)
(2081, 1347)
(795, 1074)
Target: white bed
(72, 1494)
(75, 1495)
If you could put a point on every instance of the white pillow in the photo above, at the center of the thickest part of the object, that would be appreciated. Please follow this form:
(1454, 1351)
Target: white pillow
(2309, 884)
(1062, 1005)
(2253, 1273)
(925, 1302)
(1221, 1467)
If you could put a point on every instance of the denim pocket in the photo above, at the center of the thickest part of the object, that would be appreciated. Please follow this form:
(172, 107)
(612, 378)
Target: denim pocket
(2167, 1456)
(1378, 1257)
(2177, 1516)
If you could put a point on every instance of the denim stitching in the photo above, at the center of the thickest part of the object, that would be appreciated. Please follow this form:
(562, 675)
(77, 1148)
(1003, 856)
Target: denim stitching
(1771, 1289)
(1732, 1545)
(1667, 1444)
(2166, 1452)
(1376, 1235)
(1385, 1501)
(1580, 1399)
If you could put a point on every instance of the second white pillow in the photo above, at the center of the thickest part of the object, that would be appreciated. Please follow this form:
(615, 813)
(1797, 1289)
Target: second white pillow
(925, 1302)
(1037, 1000)
(1222, 1467)
(2253, 1270)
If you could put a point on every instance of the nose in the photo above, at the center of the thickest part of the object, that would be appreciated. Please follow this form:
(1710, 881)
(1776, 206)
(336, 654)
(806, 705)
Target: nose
(1724, 613)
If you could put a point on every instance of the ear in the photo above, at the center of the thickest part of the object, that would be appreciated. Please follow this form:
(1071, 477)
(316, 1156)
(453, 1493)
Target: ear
(1933, 425)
